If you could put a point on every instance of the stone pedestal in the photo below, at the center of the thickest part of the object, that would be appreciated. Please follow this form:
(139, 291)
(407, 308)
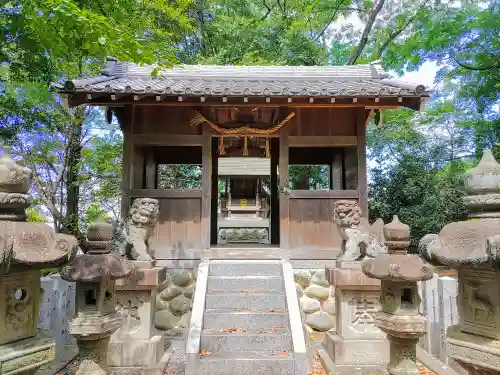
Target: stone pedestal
(358, 345)
(134, 348)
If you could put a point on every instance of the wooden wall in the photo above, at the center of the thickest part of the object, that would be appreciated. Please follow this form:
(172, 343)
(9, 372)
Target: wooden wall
(186, 224)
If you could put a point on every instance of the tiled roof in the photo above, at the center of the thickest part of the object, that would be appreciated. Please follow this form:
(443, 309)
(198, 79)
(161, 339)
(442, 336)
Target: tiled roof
(239, 166)
(205, 80)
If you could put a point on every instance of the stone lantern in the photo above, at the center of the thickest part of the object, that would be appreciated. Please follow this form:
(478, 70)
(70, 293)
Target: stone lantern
(473, 248)
(95, 274)
(25, 248)
(399, 317)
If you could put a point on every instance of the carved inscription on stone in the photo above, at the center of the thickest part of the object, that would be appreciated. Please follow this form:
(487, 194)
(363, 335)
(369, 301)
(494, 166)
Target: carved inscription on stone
(362, 313)
(128, 309)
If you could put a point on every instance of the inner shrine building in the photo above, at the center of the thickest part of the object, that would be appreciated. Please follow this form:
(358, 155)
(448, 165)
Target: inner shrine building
(178, 124)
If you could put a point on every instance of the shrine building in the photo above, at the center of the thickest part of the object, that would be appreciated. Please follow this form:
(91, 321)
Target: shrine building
(189, 119)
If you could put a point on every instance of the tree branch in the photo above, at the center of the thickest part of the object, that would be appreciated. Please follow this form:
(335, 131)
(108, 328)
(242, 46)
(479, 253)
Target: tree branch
(477, 68)
(366, 33)
(336, 10)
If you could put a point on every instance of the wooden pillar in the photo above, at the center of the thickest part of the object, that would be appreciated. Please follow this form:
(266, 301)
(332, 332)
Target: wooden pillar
(215, 194)
(274, 199)
(362, 174)
(283, 184)
(206, 186)
(150, 170)
(126, 123)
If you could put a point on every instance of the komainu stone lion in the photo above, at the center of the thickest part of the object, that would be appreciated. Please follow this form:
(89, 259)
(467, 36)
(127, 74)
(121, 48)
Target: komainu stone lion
(132, 237)
(360, 239)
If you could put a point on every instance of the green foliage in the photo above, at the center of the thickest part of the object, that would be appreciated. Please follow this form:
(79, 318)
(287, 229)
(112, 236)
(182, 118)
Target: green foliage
(71, 37)
(419, 194)
(179, 176)
(308, 177)
(34, 216)
(94, 213)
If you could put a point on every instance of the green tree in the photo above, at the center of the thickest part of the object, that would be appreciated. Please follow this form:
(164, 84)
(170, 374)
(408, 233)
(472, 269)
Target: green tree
(419, 193)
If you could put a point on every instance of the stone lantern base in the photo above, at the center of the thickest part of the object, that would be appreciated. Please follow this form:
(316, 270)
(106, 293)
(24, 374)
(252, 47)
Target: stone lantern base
(135, 348)
(358, 346)
(26, 356)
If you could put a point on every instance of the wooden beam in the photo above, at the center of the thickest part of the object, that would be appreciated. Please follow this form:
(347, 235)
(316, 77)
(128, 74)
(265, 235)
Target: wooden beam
(362, 173)
(195, 101)
(324, 194)
(166, 193)
(167, 139)
(322, 141)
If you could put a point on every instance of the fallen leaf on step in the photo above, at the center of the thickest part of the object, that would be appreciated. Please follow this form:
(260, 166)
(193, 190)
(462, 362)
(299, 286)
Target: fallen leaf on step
(233, 330)
(205, 352)
(276, 310)
(284, 354)
(244, 310)
(274, 329)
(243, 274)
(251, 291)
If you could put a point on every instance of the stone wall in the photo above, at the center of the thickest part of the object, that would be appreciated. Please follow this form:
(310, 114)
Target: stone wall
(174, 303)
(317, 299)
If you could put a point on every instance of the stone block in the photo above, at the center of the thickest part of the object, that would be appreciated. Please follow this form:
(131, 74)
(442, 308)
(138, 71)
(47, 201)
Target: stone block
(354, 279)
(20, 305)
(356, 352)
(335, 369)
(238, 283)
(241, 364)
(25, 356)
(159, 369)
(143, 278)
(278, 340)
(136, 353)
(248, 268)
(219, 319)
(448, 311)
(245, 301)
(432, 340)
(479, 295)
(136, 301)
(64, 311)
(48, 306)
(355, 311)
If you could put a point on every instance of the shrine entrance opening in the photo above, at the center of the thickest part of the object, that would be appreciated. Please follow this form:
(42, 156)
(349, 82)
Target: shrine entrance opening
(245, 200)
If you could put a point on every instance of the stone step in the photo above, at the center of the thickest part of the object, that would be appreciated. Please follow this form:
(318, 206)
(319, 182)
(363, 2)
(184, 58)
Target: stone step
(268, 339)
(245, 268)
(243, 300)
(238, 283)
(243, 363)
(249, 318)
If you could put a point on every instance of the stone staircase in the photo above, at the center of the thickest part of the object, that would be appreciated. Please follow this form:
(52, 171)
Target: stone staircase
(246, 320)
